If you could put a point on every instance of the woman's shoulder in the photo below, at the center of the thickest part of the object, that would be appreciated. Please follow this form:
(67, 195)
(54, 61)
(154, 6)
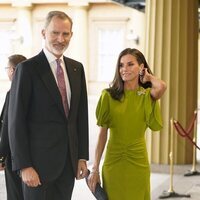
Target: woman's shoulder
(105, 92)
(104, 96)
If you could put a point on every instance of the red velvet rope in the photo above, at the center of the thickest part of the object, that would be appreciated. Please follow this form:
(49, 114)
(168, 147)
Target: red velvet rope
(191, 125)
(186, 133)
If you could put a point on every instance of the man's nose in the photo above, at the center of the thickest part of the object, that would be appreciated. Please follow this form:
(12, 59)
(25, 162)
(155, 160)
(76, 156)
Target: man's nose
(61, 38)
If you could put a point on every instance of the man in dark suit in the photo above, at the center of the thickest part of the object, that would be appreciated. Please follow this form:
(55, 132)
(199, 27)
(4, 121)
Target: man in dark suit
(48, 117)
(13, 181)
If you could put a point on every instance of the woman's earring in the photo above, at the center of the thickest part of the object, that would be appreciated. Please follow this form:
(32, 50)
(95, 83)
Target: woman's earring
(141, 73)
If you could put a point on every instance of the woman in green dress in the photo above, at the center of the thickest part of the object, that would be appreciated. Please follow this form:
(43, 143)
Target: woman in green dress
(127, 108)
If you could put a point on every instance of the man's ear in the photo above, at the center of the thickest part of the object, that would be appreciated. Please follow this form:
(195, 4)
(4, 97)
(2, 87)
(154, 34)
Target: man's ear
(71, 34)
(43, 33)
(12, 71)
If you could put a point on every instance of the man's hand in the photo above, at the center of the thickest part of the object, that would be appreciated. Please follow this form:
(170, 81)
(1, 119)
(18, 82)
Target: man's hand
(2, 163)
(30, 177)
(82, 170)
(2, 167)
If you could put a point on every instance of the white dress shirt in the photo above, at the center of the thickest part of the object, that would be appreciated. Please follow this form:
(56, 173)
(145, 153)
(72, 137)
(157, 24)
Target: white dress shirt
(52, 62)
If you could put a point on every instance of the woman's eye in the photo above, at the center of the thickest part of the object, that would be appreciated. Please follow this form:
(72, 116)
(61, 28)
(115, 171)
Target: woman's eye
(130, 64)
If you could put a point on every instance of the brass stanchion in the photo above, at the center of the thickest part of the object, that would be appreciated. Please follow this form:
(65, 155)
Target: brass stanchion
(194, 171)
(171, 193)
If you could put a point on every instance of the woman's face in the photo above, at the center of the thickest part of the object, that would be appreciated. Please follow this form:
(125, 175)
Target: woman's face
(129, 68)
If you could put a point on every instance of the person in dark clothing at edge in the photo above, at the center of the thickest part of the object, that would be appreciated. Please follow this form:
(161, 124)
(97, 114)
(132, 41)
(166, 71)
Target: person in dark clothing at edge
(13, 181)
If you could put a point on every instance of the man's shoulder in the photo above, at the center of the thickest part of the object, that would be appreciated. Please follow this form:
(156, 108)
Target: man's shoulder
(34, 59)
(71, 60)
(32, 63)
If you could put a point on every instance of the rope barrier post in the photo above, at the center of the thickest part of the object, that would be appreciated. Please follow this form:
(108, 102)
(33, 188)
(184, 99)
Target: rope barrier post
(193, 171)
(171, 157)
(171, 193)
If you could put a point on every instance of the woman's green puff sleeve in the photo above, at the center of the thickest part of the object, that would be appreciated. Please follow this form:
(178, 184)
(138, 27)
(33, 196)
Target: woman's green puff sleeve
(102, 110)
(152, 112)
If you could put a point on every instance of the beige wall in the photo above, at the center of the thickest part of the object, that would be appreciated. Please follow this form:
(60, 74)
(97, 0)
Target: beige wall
(112, 16)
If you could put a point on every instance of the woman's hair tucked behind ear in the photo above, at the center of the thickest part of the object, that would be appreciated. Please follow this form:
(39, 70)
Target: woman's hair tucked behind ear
(116, 88)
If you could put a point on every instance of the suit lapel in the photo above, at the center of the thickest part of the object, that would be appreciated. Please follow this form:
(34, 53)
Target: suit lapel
(72, 76)
(47, 76)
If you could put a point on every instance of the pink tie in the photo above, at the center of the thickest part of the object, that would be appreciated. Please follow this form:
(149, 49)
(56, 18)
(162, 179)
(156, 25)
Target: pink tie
(62, 86)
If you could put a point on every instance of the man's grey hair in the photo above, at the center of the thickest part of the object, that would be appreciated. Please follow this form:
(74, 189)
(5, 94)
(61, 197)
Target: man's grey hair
(58, 14)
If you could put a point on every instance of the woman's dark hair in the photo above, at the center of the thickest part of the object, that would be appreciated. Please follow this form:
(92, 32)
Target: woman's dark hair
(116, 88)
(15, 59)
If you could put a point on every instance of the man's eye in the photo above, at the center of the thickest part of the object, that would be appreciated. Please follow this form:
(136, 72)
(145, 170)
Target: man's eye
(66, 34)
(55, 33)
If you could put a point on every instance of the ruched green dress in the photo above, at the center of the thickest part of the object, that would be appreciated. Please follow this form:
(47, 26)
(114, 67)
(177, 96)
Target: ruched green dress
(126, 171)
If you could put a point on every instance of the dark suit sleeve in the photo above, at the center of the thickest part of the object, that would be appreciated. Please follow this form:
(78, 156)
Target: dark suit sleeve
(20, 100)
(4, 144)
(1, 116)
(83, 150)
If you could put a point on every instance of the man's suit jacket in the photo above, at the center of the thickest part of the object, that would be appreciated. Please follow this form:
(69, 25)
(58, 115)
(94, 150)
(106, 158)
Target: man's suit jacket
(40, 134)
(4, 143)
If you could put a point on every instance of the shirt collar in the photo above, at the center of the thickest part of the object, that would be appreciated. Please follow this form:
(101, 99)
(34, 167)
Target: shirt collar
(50, 57)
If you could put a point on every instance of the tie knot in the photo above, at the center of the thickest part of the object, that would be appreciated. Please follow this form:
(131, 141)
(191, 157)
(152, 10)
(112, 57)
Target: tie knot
(58, 61)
